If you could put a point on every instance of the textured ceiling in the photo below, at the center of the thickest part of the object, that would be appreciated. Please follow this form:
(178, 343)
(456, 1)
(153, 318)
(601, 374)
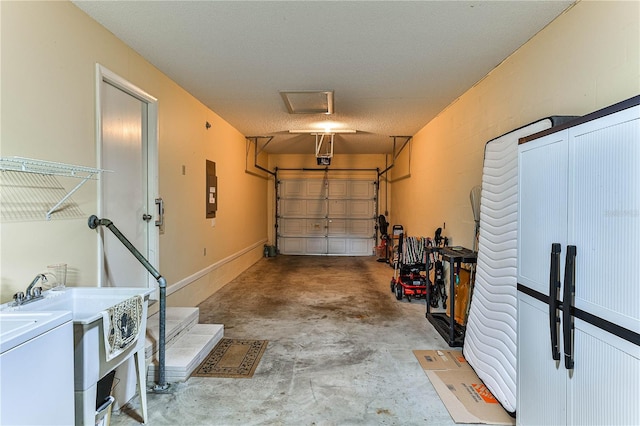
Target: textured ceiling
(393, 65)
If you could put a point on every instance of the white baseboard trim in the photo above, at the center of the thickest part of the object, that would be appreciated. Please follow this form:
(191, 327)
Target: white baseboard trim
(194, 277)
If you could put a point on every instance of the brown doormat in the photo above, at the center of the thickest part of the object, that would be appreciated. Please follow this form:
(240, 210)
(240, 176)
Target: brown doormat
(233, 358)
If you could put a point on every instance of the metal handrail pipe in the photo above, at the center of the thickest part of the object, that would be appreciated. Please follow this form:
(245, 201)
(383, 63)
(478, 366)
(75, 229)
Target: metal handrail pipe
(94, 222)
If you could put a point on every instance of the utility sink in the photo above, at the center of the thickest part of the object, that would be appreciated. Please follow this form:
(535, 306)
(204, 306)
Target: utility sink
(91, 362)
(85, 303)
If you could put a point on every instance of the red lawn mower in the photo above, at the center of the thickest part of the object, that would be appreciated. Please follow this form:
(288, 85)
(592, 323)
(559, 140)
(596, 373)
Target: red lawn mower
(410, 273)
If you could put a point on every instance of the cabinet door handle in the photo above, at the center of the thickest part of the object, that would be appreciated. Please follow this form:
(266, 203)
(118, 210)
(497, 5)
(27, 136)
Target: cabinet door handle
(554, 287)
(567, 306)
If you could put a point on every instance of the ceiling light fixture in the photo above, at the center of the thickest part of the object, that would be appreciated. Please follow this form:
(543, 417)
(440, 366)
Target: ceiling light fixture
(308, 101)
(322, 131)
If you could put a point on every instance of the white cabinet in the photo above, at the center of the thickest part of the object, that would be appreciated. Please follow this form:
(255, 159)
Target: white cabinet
(579, 190)
(36, 369)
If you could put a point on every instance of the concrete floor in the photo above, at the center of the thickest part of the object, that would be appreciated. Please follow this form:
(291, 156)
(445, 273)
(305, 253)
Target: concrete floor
(339, 352)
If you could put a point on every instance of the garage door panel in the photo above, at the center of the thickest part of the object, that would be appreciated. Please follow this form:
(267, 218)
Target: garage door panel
(361, 228)
(292, 245)
(302, 188)
(338, 208)
(316, 227)
(293, 208)
(316, 208)
(338, 189)
(337, 246)
(361, 209)
(292, 189)
(315, 189)
(316, 245)
(351, 228)
(303, 246)
(302, 208)
(292, 226)
(361, 247)
(352, 208)
(320, 216)
(361, 189)
(337, 227)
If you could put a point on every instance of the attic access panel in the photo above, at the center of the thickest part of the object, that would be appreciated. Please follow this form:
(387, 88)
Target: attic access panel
(308, 101)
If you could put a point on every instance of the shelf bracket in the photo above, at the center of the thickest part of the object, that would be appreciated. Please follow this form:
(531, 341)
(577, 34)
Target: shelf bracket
(69, 194)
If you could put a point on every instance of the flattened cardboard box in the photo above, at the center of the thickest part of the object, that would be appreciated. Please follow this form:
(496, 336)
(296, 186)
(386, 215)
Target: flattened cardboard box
(441, 360)
(462, 392)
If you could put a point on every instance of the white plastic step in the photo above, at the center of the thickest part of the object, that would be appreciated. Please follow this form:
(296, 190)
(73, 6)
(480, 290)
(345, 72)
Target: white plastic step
(186, 352)
(178, 320)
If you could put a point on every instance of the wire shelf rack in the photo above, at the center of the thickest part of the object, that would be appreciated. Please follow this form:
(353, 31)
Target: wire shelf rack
(51, 168)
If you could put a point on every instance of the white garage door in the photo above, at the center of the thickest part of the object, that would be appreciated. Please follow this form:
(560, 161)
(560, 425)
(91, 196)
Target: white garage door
(326, 217)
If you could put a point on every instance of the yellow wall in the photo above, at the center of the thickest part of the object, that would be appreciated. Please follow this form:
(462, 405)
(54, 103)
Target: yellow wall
(49, 52)
(587, 59)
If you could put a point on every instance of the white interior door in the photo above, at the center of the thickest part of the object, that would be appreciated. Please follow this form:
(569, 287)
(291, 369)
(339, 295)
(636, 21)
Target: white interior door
(124, 190)
(128, 149)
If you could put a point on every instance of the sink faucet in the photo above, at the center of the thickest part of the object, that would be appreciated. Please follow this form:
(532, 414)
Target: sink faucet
(38, 277)
(31, 293)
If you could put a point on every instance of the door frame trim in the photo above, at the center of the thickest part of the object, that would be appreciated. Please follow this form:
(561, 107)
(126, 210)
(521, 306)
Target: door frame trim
(103, 74)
